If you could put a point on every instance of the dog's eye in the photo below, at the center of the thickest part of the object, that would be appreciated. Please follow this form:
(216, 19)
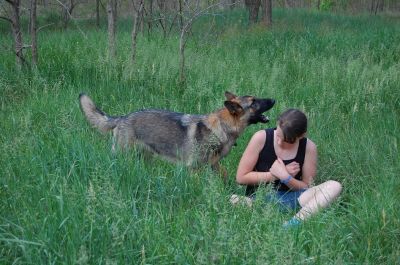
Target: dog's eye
(253, 107)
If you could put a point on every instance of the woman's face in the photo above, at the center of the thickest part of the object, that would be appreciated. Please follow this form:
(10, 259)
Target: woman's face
(280, 138)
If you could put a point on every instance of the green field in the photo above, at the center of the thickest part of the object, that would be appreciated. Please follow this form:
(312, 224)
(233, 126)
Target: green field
(65, 199)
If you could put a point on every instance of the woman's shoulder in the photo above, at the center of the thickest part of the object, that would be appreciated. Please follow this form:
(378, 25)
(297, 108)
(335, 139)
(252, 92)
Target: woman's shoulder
(311, 147)
(259, 136)
(256, 143)
(258, 139)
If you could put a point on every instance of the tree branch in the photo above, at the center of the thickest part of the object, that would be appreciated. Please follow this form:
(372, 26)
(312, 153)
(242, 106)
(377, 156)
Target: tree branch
(10, 2)
(6, 19)
(6, 48)
(73, 19)
(102, 5)
(25, 46)
(44, 26)
(21, 57)
(197, 14)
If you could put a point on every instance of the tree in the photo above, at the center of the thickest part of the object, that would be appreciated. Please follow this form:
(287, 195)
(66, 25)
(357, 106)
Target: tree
(267, 12)
(67, 7)
(233, 3)
(98, 13)
(150, 16)
(111, 18)
(376, 5)
(167, 16)
(189, 11)
(289, 4)
(137, 16)
(253, 6)
(33, 33)
(16, 30)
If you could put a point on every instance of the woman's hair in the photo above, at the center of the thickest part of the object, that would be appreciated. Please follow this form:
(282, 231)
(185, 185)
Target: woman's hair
(293, 123)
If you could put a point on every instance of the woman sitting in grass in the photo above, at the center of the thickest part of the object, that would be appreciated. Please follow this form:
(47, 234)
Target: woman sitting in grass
(285, 157)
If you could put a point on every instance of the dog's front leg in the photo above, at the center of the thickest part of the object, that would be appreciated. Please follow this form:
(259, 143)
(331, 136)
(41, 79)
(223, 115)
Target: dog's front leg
(216, 166)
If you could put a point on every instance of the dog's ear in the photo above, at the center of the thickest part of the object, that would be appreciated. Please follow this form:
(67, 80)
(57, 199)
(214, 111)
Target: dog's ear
(233, 107)
(229, 95)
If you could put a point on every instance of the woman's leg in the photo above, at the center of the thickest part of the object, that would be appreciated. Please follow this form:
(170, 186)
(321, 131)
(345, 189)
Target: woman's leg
(317, 198)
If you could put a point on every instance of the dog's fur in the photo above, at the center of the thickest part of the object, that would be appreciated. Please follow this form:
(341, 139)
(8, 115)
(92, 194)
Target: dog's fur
(179, 137)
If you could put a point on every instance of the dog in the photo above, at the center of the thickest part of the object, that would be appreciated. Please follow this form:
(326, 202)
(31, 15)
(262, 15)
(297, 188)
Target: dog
(194, 140)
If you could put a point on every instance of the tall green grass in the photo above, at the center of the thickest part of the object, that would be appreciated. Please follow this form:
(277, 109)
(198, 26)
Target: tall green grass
(66, 199)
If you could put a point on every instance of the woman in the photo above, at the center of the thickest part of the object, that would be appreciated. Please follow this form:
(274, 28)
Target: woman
(285, 157)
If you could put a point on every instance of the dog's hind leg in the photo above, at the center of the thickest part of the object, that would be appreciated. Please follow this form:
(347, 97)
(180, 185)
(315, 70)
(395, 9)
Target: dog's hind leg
(114, 141)
(121, 140)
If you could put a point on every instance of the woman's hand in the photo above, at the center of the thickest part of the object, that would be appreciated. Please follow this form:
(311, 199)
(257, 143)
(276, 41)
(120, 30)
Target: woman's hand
(278, 169)
(293, 168)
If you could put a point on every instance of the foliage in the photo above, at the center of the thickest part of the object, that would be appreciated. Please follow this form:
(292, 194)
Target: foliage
(327, 5)
(66, 199)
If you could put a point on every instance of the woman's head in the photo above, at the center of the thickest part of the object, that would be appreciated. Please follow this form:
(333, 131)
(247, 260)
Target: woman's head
(293, 124)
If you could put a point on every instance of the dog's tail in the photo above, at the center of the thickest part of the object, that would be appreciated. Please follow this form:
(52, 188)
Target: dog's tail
(95, 116)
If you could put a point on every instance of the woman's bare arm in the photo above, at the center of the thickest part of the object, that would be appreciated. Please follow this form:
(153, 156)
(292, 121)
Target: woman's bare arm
(245, 172)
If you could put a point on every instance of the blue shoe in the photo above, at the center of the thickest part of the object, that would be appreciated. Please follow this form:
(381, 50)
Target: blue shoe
(292, 223)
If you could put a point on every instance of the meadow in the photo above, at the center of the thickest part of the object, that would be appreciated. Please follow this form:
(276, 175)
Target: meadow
(66, 199)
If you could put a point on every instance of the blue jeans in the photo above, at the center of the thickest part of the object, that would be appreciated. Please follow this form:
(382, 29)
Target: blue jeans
(286, 200)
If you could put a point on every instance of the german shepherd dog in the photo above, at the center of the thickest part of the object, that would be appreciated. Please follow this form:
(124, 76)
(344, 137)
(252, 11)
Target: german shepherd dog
(178, 137)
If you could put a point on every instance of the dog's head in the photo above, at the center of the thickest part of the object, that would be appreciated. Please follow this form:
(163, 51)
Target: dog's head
(248, 108)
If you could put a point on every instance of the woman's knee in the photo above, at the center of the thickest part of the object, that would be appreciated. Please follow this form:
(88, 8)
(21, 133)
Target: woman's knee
(333, 186)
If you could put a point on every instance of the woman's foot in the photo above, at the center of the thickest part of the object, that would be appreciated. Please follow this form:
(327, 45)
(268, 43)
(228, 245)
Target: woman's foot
(292, 223)
(243, 200)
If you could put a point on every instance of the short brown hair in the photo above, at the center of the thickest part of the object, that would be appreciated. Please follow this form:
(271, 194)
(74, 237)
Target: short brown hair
(293, 123)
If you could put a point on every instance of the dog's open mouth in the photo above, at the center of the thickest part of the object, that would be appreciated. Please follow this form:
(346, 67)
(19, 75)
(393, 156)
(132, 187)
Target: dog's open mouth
(263, 118)
(259, 118)
(264, 106)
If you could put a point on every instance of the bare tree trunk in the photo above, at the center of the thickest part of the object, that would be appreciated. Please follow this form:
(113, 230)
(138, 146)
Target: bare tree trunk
(186, 22)
(17, 34)
(182, 43)
(381, 5)
(111, 27)
(115, 10)
(150, 15)
(180, 15)
(98, 13)
(253, 6)
(136, 21)
(161, 7)
(318, 4)
(67, 9)
(64, 15)
(377, 5)
(267, 12)
(288, 4)
(233, 3)
(33, 33)
(371, 8)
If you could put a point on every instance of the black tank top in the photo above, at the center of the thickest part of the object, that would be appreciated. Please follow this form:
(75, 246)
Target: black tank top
(268, 156)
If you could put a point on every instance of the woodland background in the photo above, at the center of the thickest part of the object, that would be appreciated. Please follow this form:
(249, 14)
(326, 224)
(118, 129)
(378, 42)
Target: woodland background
(65, 199)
